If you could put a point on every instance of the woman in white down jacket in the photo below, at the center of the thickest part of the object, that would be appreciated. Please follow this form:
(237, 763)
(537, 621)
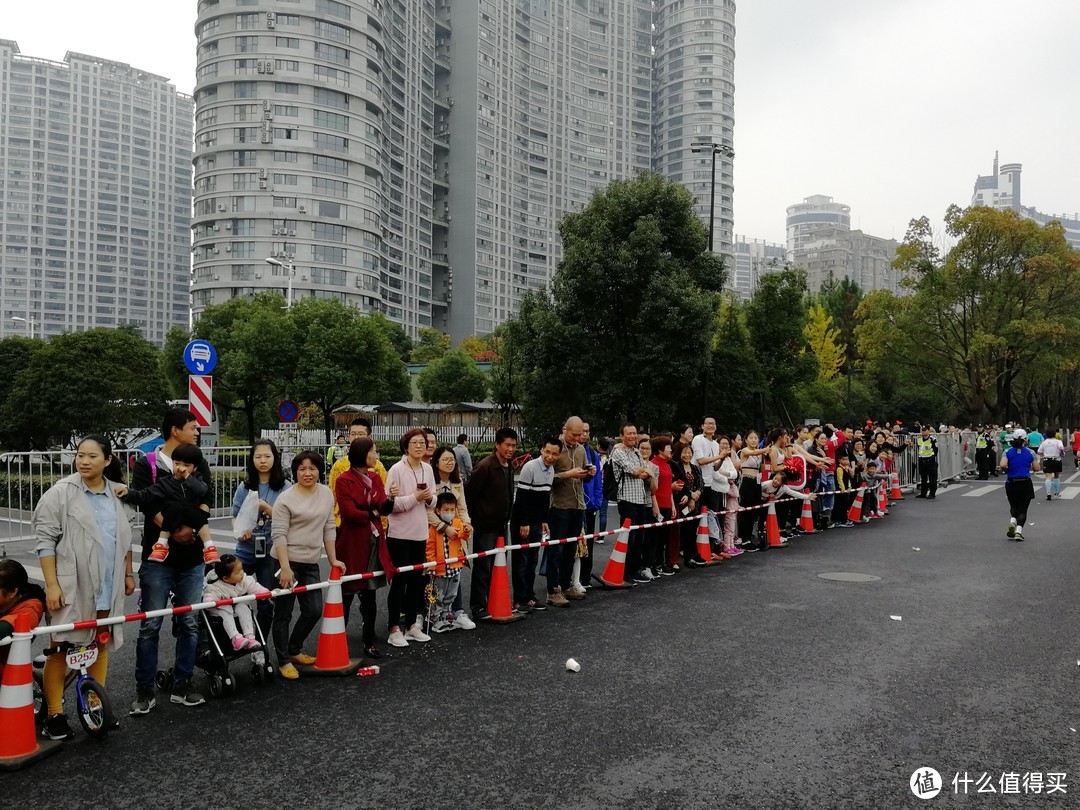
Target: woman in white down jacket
(725, 480)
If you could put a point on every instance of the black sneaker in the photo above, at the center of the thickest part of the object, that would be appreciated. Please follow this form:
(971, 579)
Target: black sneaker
(641, 579)
(667, 571)
(185, 695)
(57, 728)
(752, 548)
(145, 700)
(532, 604)
(481, 615)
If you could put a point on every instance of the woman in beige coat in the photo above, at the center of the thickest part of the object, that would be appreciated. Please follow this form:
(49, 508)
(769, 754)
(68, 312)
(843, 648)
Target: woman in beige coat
(84, 547)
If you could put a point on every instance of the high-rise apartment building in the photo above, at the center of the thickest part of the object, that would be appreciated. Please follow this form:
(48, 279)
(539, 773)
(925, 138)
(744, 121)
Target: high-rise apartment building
(694, 101)
(1001, 190)
(415, 157)
(813, 213)
(752, 259)
(95, 201)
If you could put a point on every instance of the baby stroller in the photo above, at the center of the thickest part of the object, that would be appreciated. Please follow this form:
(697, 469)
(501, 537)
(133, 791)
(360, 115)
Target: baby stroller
(215, 654)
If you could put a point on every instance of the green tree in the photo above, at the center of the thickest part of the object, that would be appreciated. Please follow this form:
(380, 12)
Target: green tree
(734, 406)
(841, 299)
(256, 345)
(823, 342)
(399, 338)
(776, 318)
(172, 361)
(630, 315)
(16, 355)
(432, 345)
(343, 358)
(99, 381)
(1003, 302)
(453, 378)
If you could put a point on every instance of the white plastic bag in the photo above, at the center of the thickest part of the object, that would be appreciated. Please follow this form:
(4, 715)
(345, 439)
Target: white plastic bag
(247, 517)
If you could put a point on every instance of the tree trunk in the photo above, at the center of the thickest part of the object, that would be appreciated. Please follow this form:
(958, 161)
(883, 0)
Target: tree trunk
(249, 413)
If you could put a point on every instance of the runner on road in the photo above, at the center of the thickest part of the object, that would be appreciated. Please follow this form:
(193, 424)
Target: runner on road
(1051, 452)
(1018, 463)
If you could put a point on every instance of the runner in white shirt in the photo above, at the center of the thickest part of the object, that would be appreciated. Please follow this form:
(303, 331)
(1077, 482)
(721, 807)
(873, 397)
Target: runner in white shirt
(1052, 451)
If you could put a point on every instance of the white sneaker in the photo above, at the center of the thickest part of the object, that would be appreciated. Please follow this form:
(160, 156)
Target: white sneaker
(576, 588)
(648, 574)
(463, 622)
(414, 633)
(397, 639)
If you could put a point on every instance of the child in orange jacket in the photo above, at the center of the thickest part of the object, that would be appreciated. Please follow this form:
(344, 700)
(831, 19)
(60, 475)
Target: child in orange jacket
(446, 540)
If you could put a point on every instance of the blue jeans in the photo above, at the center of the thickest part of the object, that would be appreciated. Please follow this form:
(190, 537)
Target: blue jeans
(263, 570)
(158, 580)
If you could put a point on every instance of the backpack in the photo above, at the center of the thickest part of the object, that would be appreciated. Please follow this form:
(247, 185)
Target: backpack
(610, 482)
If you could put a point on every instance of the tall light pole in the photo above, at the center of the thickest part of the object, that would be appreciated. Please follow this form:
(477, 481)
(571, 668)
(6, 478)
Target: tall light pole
(29, 323)
(291, 268)
(716, 149)
(697, 147)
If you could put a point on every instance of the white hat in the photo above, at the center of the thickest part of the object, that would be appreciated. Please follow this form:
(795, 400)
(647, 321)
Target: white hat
(1019, 433)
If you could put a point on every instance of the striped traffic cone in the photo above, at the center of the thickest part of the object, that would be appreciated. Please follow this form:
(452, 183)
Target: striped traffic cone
(18, 742)
(332, 656)
(499, 605)
(883, 499)
(896, 494)
(704, 546)
(772, 528)
(855, 512)
(806, 519)
(614, 575)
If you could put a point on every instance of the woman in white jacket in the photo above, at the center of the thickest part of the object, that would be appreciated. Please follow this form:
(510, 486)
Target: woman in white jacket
(725, 481)
(227, 580)
(83, 542)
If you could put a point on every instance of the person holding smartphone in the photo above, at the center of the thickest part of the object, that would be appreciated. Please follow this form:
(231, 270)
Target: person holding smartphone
(407, 536)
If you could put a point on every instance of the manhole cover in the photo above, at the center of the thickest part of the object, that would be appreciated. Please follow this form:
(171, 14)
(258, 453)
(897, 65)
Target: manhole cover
(843, 576)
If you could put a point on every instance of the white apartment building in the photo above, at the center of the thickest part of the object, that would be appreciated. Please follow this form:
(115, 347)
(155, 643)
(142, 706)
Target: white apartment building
(95, 201)
(1001, 190)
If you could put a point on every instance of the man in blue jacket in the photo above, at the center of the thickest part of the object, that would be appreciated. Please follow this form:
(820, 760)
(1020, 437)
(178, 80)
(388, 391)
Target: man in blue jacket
(594, 501)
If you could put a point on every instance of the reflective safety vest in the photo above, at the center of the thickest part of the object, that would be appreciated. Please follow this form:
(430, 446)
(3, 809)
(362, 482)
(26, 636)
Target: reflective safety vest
(980, 442)
(926, 448)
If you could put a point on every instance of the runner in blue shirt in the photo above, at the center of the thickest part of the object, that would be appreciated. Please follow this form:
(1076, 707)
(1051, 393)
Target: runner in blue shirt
(1018, 464)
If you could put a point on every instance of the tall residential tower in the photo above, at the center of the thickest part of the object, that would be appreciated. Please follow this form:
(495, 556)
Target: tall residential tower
(415, 157)
(95, 202)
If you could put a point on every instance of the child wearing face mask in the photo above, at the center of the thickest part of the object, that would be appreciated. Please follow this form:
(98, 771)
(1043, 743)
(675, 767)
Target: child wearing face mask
(446, 576)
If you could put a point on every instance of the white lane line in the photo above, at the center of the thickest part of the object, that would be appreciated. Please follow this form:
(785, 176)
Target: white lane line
(950, 488)
(1069, 494)
(975, 493)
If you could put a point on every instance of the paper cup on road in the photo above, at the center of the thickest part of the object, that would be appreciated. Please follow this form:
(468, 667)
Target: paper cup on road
(572, 665)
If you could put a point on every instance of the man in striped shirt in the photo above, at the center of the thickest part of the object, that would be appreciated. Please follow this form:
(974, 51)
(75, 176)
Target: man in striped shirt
(529, 522)
(635, 498)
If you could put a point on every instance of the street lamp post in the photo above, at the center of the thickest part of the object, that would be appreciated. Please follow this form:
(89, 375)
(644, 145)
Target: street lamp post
(716, 149)
(29, 323)
(292, 272)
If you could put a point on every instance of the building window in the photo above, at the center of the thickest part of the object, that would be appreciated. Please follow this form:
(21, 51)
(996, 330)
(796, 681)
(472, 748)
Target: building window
(290, 65)
(331, 143)
(285, 157)
(284, 202)
(244, 181)
(247, 44)
(326, 253)
(331, 53)
(328, 30)
(338, 77)
(287, 88)
(331, 188)
(287, 42)
(246, 112)
(288, 19)
(328, 232)
(246, 22)
(288, 133)
(245, 157)
(243, 89)
(328, 276)
(243, 204)
(286, 110)
(322, 163)
(333, 8)
(329, 120)
(331, 98)
(245, 134)
(285, 179)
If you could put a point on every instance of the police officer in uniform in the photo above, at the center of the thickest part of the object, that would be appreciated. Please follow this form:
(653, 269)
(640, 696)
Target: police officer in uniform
(984, 452)
(927, 451)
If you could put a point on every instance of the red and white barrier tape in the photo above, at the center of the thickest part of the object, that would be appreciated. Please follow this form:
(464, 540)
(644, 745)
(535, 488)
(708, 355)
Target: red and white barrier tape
(318, 586)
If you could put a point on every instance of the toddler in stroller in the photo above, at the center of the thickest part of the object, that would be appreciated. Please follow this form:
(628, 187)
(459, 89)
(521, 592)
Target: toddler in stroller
(228, 580)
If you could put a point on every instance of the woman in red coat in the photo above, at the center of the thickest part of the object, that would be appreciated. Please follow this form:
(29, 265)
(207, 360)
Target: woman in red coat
(361, 502)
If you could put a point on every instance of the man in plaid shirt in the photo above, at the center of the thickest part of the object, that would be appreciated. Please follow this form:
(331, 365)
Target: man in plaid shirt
(635, 498)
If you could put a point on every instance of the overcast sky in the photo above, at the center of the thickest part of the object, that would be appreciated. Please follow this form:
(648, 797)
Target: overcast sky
(890, 107)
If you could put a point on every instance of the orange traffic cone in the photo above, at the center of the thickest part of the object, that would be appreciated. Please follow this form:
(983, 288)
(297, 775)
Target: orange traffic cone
(896, 494)
(615, 571)
(18, 743)
(499, 605)
(772, 528)
(704, 546)
(806, 519)
(855, 512)
(883, 499)
(332, 656)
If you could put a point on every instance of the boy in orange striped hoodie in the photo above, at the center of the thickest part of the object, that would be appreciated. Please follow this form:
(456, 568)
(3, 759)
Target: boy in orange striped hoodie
(446, 576)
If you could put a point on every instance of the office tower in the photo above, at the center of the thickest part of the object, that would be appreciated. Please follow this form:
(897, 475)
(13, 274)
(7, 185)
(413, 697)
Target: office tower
(95, 206)
(1001, 190)
(752, 259)
(416, 157)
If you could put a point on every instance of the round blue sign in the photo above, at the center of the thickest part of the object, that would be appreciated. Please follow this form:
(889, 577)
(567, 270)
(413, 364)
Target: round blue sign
(287, 411)
(200, 357)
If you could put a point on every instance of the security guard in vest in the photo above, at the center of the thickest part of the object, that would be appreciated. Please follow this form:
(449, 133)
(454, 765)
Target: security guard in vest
(984, 452)
(927, 450)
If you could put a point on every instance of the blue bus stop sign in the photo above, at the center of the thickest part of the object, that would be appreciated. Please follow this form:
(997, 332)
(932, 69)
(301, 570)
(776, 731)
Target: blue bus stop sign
(200, 357)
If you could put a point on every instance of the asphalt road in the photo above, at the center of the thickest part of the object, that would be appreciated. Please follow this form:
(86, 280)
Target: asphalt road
(755, 684)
